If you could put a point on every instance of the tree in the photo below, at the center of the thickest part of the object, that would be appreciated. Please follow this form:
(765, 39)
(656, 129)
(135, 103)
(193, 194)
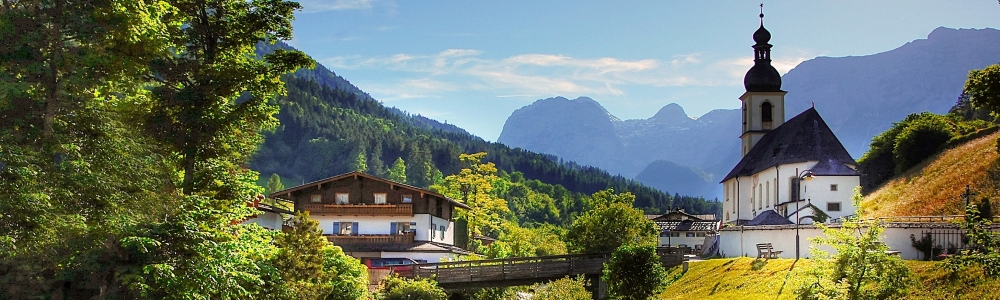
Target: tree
(860, 269)
(351, 282)
(634, 272)
(211, 95)
(360, 162)
(398, 171)
(475, 185)
(395, 288)
(983, 88)
(562, 289)
(274, 184)
(301, 259)
(610, 223)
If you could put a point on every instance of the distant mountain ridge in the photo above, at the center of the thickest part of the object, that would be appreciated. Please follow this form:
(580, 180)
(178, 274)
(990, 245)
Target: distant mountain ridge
(858, 96)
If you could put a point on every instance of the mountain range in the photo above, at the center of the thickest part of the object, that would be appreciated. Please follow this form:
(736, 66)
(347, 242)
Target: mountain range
(858, 97)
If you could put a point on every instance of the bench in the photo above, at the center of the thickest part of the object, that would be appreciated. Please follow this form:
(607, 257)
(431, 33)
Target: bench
(765, 251)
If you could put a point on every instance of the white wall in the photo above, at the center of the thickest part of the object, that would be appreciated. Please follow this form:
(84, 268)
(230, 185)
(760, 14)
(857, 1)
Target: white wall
(736, 241)
(689, 241)
(430, 257)
(772, 186)
(381, 225)
(267, 220)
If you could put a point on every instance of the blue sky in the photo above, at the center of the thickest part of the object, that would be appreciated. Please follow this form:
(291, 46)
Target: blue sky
(472, 63)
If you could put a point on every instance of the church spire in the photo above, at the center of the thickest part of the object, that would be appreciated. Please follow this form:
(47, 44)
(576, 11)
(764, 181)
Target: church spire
(762, 77)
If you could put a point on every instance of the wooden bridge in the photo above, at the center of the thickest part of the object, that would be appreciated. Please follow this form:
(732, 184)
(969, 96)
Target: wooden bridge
(522, 270)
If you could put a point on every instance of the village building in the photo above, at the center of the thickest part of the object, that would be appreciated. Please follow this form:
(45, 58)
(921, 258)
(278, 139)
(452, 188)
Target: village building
(797, 169)
(371, 217)
(682, 230)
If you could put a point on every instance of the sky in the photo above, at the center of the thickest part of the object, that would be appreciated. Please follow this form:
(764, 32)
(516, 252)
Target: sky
(472, 63)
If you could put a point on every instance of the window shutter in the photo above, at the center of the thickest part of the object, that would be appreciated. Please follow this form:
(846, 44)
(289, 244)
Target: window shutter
(336, 228)
(392, 228)
(354, 228)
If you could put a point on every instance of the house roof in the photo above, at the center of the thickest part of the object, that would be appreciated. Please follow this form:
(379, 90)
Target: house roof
(688, 225)
(359, 174)
(769, 217)
(676, 215)
(434, 247)
(805, 137)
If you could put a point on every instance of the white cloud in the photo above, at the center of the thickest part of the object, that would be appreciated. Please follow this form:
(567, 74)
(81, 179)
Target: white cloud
(431, 75)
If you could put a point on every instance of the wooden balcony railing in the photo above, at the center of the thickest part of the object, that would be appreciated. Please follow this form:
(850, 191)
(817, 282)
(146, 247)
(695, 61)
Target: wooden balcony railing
(406, 238)
(360, 209)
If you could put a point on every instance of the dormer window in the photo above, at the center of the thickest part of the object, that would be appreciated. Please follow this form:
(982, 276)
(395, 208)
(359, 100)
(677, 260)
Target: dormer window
(343, 198)
(379, 198)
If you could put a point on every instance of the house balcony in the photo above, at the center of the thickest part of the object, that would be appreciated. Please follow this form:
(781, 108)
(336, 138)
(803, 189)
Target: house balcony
(400, 239)
(360, 209)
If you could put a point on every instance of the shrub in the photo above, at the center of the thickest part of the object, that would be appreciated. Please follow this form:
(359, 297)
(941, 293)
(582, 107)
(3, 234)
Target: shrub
(562, 289)
(634, 272)
(395, 288)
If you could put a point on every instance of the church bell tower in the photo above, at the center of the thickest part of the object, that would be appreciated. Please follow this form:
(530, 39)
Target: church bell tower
(763, 101)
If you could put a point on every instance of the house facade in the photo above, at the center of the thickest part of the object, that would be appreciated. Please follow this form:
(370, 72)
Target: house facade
(372, 217)
(680, 229)
(795, 168)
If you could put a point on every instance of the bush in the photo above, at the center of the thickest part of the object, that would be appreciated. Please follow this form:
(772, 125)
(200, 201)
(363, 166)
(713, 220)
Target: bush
(634, 273)
(562, 289)
(919, 140)
(395, 288)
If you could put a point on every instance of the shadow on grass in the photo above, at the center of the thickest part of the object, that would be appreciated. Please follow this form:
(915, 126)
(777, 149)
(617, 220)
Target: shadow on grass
(758, 264)
(714, 288)
(785, 282)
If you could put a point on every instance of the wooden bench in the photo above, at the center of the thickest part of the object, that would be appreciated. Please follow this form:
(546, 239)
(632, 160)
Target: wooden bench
(765, 251)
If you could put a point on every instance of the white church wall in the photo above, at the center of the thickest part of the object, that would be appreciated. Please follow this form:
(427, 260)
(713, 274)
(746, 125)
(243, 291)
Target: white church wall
(772, 186)
(736, 241)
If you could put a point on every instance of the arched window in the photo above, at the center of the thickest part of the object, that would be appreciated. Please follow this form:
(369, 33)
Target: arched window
(767, 192)
(760, 195)
(766, 115)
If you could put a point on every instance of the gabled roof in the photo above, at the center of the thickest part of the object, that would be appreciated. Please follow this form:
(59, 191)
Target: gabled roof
(676, 215)
(359, 174)
(769, 217)
(805, 137)
(688, 225)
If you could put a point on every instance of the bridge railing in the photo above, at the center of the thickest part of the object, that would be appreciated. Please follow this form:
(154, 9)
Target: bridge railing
(512, 268)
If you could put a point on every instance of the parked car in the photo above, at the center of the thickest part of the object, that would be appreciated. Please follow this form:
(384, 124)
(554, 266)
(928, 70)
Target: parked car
(401, 266)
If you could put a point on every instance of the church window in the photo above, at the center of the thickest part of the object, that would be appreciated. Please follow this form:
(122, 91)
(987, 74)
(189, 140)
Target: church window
(760, 196)
(767, 193)
(793, 187)
(833, 187)
(833, 206)
(766, 115)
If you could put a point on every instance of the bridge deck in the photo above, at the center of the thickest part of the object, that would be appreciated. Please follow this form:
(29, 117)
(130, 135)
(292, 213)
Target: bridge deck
(520, 270)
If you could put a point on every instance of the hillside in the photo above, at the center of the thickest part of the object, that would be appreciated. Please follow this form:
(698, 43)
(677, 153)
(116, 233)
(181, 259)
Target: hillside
(746, 278)
(934, 186)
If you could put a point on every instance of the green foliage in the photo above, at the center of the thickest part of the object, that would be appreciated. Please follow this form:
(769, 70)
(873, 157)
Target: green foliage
(911, 141)
(301, 257)
(926, 246)
(211, 95)
(562, 289)
(984, 245)
(398, 171)
(983, 88)
(634, 272)
(351, 282)
(610, 223)
(274, 184)
(860, 269)
(395, 288)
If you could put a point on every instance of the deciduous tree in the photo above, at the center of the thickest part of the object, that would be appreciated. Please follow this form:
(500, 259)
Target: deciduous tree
(611, 222)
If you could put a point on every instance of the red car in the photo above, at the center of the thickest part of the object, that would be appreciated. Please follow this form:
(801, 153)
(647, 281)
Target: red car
(401, 266)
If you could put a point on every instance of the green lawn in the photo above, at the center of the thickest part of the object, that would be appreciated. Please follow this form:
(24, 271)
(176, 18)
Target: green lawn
(747, 278)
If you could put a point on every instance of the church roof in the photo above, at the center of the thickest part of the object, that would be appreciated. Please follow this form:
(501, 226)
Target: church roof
(805, 137)
(769, 217)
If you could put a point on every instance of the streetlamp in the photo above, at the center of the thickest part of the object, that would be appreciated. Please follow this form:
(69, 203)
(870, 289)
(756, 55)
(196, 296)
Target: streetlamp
(805, 175)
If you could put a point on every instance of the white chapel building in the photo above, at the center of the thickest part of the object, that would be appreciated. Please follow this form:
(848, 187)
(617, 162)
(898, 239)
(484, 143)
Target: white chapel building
(766, 187)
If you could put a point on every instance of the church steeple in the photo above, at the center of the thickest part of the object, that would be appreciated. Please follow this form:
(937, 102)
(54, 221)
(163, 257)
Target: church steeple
(764, 101)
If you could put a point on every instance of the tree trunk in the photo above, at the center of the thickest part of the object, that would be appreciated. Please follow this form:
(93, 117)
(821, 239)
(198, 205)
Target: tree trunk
(189, 161)
(52, 82)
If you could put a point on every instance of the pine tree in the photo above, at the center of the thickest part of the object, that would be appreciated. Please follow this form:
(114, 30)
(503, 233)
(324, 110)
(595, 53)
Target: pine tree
(301, 257)
(360, 162)
(274, 183)
(398, 171)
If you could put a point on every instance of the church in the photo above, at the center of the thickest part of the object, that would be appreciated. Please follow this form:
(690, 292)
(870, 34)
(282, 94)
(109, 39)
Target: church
(790, 171)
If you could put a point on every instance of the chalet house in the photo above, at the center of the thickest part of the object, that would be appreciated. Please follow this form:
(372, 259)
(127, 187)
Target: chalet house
(680, 229)
(371, 217)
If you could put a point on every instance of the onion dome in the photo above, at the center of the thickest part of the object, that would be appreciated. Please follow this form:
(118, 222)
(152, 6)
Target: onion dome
(762, 77)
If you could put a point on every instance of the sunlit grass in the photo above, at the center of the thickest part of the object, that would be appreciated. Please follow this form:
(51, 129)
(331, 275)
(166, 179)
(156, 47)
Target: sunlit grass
(934, 187)
(747, 278)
